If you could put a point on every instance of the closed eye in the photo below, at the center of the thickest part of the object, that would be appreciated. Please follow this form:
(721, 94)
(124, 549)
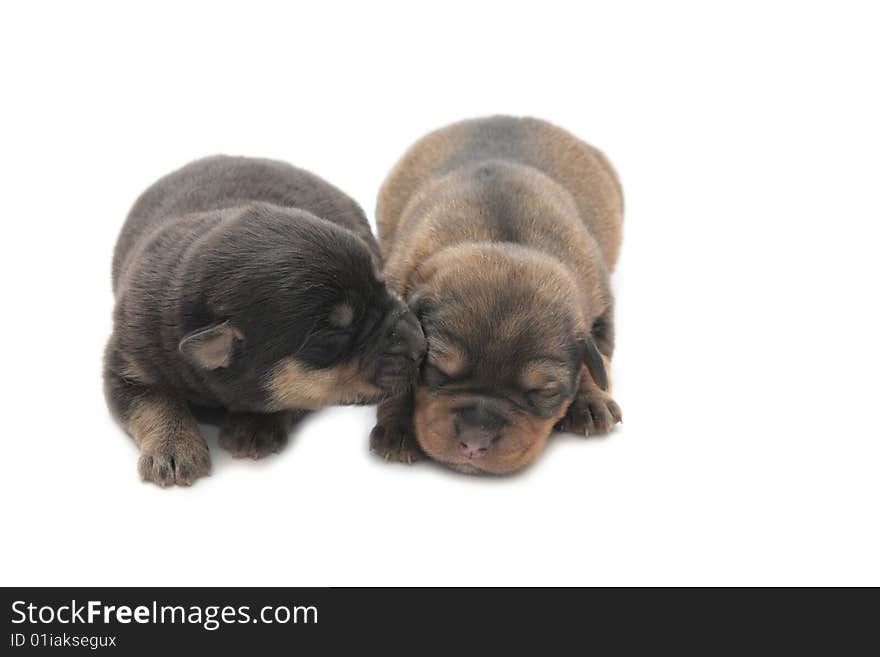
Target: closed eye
(544, 396)
(334, 342)
(338, 334)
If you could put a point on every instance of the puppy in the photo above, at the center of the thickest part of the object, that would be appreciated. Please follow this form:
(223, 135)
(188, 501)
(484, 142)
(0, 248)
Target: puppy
(248, 287)
(501, 234)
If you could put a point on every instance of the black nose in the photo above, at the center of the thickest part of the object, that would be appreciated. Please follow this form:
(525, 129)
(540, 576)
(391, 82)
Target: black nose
(407, 338)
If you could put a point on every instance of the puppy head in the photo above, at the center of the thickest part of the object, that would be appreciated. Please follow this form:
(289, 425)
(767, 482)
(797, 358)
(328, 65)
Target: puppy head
(287, 310)
(507, 340)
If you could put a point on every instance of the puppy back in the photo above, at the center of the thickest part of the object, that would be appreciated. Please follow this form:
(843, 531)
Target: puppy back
(219, 182)
(582, 170)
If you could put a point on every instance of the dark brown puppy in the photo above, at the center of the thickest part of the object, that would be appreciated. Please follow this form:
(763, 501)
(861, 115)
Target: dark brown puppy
(501, 234)
(248, 286)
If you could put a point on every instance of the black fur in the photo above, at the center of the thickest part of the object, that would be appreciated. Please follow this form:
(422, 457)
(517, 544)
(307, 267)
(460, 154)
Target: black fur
(250, 257)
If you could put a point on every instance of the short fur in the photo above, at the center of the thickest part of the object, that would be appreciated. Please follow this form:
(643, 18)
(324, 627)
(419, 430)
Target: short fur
(501, 233)
(249, 286)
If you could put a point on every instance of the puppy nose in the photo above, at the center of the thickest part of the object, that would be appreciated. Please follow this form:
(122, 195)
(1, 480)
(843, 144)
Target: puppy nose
(477, 426)
(476, 443)
(407, 338)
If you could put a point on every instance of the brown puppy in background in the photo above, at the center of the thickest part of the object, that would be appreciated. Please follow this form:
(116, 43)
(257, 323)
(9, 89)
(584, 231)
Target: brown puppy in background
(501, 234)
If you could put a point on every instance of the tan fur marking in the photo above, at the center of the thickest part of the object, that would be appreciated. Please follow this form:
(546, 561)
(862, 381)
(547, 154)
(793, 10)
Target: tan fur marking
(341, 315)
(132, 371)
(172, 449)
(156, 420)
(540, 374)
(521, 441)
(293, 386)
(445, 356)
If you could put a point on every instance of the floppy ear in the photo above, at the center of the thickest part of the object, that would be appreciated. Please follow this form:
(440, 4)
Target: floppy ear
(211, 347)
(594, 363)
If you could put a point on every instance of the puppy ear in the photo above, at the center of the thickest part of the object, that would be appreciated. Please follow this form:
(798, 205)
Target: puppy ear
(211, 347)
(595, 364)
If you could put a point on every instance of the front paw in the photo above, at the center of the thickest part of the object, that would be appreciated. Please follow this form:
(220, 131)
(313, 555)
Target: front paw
(176, 460)
(590, 414)
(254, 436)
(395, 443)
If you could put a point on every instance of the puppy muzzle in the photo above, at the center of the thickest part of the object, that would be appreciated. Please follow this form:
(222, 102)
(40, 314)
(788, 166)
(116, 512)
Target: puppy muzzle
(402, 353)
(478, 425)
(407, 339)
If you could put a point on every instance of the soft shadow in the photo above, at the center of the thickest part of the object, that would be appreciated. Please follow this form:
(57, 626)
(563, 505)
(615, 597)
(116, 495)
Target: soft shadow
(220, 457)
(566, 441)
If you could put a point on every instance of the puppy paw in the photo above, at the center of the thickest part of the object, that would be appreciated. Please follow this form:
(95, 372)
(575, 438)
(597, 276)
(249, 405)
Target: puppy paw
(590, 414)
(254, 436)
(395, 443)
(179, 460)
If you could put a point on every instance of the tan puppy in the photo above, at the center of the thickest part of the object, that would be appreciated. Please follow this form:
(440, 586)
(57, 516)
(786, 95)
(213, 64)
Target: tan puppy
(501, 234)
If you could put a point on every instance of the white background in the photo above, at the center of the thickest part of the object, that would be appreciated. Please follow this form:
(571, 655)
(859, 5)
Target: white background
(747, 362)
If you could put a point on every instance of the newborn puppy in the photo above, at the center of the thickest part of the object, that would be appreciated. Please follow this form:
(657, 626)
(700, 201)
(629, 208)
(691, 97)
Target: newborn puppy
(501, 234)
(250, 287)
